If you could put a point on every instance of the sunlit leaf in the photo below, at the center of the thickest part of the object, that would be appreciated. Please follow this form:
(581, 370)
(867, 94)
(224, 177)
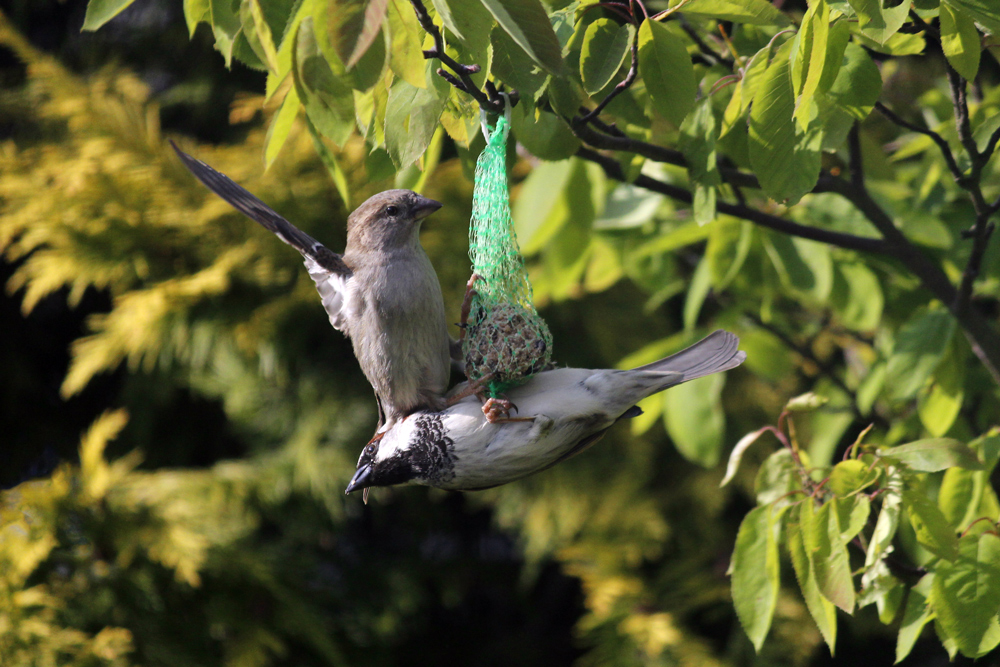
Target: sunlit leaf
(920, 345)
(755, 572)
(100, 12)
(960, 40)
(527, 23)
(965, 595)
(605, 46)
(692, 413)
(880, 21)
(786, 160)
(666, 68)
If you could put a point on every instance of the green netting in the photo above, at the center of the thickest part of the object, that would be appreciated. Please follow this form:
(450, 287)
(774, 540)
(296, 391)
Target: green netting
(505, 336)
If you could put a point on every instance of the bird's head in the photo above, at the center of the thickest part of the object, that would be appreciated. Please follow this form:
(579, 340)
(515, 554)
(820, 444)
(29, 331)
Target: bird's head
(390, 219)
(382, 464)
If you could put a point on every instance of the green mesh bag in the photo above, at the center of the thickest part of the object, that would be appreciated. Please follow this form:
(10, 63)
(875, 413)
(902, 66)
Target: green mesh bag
(505, 338)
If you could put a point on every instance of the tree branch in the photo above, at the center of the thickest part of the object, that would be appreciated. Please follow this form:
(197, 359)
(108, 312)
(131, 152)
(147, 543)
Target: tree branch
(865, 244)
(949, 157)
(464, 81)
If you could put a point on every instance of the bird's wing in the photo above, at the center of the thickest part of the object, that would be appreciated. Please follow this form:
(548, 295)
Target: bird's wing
(325, 267)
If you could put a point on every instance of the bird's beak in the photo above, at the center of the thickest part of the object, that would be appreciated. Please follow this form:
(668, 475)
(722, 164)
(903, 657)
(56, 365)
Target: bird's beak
(425, 207)
(360, 479)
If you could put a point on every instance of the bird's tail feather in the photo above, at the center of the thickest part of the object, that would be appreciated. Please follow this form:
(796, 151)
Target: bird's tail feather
(715, 353)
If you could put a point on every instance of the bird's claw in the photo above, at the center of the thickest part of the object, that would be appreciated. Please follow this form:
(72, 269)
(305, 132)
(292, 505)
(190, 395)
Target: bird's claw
(497, 410)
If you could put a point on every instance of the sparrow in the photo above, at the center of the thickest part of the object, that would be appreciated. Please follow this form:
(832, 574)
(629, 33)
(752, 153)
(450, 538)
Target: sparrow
(567, 409)
(382, 292)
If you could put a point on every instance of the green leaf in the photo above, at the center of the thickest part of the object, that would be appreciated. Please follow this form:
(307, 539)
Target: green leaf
(933, 455)
(330, 162)
(900, 44)
(527, 22)
(699, 133)
(823, 611)
(850, 476)
(544, 135)
(933, 531)
(468, 20)
(986, 12)
(513, 66)
(828, 554)
(809, 61)
(939, 404)
(785, 159)
(920, 345)
(737, 454)
(857, 296)
(195, 11)
(960, 40)
(328, 101)
(100, 12)
(540, 209)
(405, 57)
(916, 615)
(727, 249)
(965, 595)
(226, 26)
(411, 117)
(962, 490)
(666, 68)
(694, 419)
(755, 573)
(701, 285)
(628, 206)
(804, 266)
(280, 126)
(858, 84)
(888, 519)
(777, 477)
(878, 21)
(605, 45)
(752, 12)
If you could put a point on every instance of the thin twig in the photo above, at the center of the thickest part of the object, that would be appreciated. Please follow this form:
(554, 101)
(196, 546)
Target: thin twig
(464, 81)
(949, 157)
(703, 46)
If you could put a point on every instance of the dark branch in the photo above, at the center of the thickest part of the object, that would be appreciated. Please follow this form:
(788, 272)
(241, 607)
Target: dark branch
(613, 170)
(856, 161)
(703, 46)
(464, 81)
(949, 157)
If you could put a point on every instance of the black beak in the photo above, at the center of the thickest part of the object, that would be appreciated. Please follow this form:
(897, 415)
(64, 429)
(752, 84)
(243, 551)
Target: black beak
(424, 207)
(360, 479)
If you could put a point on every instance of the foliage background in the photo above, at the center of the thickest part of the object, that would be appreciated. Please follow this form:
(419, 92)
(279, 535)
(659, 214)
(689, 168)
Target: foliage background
(201, 519)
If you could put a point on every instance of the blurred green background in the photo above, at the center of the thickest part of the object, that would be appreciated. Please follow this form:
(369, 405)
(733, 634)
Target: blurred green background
(202, 520)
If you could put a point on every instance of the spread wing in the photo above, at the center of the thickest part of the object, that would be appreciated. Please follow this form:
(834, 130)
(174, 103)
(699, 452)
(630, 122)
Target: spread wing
(325, 267)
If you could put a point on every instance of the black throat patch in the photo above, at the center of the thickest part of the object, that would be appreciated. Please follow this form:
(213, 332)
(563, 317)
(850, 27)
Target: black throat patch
(432, 452)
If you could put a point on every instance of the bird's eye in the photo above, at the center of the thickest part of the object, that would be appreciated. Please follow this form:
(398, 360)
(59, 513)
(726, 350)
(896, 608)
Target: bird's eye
(392, 210)
(370, 449)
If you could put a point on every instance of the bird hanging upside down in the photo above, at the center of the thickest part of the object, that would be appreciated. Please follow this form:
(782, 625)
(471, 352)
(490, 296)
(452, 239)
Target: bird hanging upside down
(569, 409)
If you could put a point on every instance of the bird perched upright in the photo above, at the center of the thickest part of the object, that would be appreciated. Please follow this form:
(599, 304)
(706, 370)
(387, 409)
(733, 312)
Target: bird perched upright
(382, 292)
(568, 410)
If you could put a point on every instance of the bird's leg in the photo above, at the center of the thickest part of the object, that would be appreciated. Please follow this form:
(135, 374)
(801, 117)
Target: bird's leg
(470, 292)
(477, 387)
